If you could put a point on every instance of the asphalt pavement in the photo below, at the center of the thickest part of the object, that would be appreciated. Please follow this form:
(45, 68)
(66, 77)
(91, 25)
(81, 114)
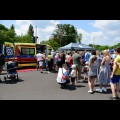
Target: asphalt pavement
(34, 85)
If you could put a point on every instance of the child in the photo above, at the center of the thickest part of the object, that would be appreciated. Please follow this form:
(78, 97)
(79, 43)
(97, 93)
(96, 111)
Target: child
(86, 68)
(73, 74)
(65, 76)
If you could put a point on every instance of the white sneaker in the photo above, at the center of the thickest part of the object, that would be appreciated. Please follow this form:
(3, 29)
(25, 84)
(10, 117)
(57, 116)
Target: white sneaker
(90, 91)
(99, 90)
(104, 89)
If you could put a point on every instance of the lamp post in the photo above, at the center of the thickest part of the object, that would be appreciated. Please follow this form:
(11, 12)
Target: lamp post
(36, 35)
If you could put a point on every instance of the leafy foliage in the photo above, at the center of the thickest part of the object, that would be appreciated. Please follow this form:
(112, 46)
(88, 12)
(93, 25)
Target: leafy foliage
(31, 30)
(79, 38)
(64, 34)
(104, 47)
(24, 39)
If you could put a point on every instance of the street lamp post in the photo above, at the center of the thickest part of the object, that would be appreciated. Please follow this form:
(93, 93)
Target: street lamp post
(36, 35)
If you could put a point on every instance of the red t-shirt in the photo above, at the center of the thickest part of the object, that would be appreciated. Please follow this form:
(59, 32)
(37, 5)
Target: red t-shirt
(71, 61)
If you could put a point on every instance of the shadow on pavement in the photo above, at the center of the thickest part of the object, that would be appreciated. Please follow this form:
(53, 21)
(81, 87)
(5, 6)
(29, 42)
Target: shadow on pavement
(12, 81)
(98, 85)
(69, 87)
(108, 91)
(80, 86)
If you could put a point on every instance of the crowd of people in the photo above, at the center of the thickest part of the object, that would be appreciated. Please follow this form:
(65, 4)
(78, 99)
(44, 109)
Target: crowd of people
(102, 67)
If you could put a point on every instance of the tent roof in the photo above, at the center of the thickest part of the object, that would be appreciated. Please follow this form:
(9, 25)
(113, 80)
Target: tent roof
(76, 46)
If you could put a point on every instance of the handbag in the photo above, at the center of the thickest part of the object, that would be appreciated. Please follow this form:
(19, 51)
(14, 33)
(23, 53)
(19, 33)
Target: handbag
(63, 76)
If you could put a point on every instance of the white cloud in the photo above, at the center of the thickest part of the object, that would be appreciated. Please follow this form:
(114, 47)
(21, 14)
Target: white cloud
(110, 27)
(93, 37)
(44, 27)
(107, 32)
(21, 22)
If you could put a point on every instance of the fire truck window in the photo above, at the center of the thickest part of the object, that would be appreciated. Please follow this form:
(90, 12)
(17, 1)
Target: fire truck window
(25, 51)
(31, 51)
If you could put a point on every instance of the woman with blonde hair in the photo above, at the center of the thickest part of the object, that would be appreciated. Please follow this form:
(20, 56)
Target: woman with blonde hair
(105, 71)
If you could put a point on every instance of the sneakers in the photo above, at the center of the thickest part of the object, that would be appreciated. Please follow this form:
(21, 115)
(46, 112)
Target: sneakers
(115, 98)
(118, 98)
(104, 89)
(99, 90)
(90, 91)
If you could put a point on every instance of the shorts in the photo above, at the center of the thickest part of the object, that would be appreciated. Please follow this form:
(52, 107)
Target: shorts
(41, 63)
(115, 79)
(72, 79)
(92, 77)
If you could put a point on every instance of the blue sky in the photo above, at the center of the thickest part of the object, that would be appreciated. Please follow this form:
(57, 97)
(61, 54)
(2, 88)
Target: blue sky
(102, 32)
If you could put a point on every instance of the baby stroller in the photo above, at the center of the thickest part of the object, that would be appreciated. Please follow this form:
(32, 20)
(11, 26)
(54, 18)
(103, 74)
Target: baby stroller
(11, 71)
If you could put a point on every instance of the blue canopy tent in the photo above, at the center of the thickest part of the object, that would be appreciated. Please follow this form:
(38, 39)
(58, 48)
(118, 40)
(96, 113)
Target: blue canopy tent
(73, 46)
(111, 51)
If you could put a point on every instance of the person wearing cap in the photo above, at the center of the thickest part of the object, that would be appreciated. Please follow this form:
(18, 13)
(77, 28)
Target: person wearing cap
(73, 74)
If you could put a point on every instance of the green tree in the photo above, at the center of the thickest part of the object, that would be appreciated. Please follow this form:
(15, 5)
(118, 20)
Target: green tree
(79, 38)
(24, 39)
(31, 30)
(64, 34)
(2, 27)
(12, 28)
(52, 43)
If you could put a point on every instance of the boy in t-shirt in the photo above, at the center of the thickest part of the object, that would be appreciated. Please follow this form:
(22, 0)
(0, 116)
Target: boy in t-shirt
(73, 74)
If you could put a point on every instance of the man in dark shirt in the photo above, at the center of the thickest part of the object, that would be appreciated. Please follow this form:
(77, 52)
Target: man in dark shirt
(78, 62)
